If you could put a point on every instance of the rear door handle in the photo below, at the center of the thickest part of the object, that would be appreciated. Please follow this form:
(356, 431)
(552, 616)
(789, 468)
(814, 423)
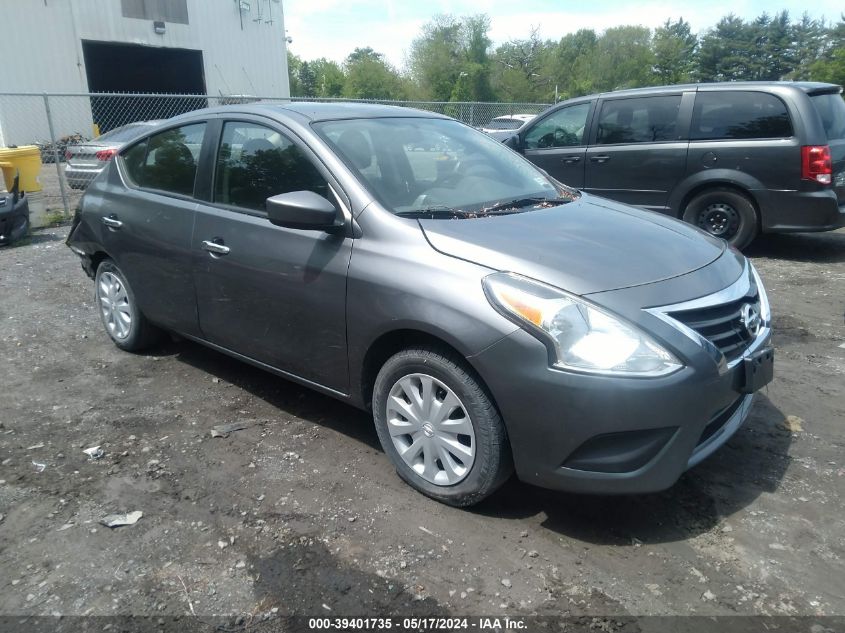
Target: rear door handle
(601, 158)
(571, 160)
(111, 221)
(215, 246)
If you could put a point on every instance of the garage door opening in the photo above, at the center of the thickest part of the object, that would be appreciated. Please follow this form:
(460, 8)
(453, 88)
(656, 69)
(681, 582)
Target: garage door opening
(141, 69)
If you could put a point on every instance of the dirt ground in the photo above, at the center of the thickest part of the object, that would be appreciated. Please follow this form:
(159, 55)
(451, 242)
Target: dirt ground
(301, 512)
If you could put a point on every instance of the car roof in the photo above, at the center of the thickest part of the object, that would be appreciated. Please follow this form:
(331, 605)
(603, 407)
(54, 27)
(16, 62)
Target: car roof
(806, 86)
(320, 111)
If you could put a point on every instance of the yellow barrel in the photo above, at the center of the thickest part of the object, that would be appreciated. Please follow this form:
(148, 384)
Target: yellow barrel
(25, 159)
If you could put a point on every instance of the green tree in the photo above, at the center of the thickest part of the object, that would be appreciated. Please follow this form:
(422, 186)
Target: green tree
(368, 76)
(329, 78)
(808, 38)
(675, 50)
(294, 63)
(622, 58)
(726, 51)
(522, 70)
(307, 80)
(570, 61)
(830, 66)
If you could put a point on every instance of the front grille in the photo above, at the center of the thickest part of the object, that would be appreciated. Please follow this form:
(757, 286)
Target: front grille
(722, 324)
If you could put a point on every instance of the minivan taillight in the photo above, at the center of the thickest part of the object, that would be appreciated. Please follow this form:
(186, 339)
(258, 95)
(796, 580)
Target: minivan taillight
(816, 164)
(107, 154)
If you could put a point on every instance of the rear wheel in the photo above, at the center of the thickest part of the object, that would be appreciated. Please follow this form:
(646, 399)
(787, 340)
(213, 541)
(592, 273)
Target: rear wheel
(724, 213)
(439, 427)
(123, 320)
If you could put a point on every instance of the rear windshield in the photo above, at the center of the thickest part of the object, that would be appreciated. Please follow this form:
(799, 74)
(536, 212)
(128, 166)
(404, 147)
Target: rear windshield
(831, 109)
(124, 133)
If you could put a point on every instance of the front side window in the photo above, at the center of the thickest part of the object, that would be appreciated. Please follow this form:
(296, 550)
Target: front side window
(415, 165)
(255, 162)
(166, 161)
(564, 128)
(739, 115)
(639, 120)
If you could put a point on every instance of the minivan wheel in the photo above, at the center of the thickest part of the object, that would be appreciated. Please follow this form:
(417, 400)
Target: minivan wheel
(124, 322)
(724, 213)
(440, 428)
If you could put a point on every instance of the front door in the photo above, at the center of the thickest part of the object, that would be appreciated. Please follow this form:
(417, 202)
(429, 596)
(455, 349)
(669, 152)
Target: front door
(273, 294)
(556, 143)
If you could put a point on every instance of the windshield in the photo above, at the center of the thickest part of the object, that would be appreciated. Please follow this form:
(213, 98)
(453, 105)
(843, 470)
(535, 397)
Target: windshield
(831, 109)
(419, 164)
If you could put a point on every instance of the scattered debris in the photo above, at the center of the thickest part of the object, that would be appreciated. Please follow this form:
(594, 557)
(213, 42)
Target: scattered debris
(326, 607)
(426, 530)
(506, 582)
(116, 520)
(351, 519)
(35, 446)
(708, 595)
(66, 526)
(95, 452)
(222, 544)
(223, 430)
(187, 595)
(39, 468)
(533, 553)
(793, 424)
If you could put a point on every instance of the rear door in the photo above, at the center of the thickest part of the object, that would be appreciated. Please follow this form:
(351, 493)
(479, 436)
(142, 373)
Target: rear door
(147, 224)
(831, 109)
(273, 294)
(639, 150)
(556, 142)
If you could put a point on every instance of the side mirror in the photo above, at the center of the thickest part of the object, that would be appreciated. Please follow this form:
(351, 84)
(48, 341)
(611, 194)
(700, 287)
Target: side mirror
(302, 210)
(514, 142)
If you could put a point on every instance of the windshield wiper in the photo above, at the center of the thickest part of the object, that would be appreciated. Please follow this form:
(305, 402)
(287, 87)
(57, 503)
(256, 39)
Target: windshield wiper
(513, 206)
(435, 212)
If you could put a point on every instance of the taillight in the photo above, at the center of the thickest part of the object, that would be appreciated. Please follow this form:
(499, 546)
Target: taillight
(816, 164)
(68, 154)
(106, 154)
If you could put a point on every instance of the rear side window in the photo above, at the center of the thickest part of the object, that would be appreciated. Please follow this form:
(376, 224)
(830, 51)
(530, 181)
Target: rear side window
(831, 109)
(739, 115)
(255, 162)
(166, 161)
(640, 120)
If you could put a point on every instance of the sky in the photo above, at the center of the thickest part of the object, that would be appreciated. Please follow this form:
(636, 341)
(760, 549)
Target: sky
(334, 28)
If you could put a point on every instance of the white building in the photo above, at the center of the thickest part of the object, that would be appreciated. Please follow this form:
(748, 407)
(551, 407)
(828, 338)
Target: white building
(214, 47)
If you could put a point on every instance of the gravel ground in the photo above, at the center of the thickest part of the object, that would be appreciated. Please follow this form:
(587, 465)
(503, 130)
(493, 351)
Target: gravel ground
(301, 512)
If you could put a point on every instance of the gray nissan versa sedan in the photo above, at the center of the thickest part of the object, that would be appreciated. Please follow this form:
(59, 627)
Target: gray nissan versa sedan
(491, 317)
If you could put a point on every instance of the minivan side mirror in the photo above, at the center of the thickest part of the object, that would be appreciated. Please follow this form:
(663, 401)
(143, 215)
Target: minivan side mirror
(302, 210)
(514, 142)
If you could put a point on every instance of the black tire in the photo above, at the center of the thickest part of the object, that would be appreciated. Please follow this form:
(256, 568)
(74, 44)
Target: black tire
(492, 464)
(724, 213)
(141, 333)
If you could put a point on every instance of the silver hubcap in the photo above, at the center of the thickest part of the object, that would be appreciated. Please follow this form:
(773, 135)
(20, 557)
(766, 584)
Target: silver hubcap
(430, 429)
(114, 304)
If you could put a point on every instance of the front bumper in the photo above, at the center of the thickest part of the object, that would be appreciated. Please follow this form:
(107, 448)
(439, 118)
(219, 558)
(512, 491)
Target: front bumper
(615, 435)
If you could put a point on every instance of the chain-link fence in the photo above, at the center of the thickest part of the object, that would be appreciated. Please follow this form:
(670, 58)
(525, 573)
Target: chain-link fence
(76, 132)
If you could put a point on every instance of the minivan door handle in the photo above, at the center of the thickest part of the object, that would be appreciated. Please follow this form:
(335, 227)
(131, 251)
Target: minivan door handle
(111, 221)
(601, 158)
(571, 160)
(215, 246)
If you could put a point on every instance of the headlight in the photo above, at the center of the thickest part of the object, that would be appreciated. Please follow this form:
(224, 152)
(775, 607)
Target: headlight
(583, 337)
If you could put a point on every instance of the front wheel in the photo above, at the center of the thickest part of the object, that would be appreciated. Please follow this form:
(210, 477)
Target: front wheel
(439, 427)
(724, 213)
(123, 320)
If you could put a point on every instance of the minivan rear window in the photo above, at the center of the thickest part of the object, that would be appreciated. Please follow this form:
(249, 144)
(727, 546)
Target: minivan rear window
(831, 109)
(739, 115)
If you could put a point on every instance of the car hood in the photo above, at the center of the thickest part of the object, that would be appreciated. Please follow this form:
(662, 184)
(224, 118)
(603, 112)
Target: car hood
(589, 245)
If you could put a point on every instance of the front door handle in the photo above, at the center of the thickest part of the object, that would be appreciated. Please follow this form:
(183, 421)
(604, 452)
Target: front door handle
(215, 247)
(601, 158)
(571, 160)
(111, 221)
